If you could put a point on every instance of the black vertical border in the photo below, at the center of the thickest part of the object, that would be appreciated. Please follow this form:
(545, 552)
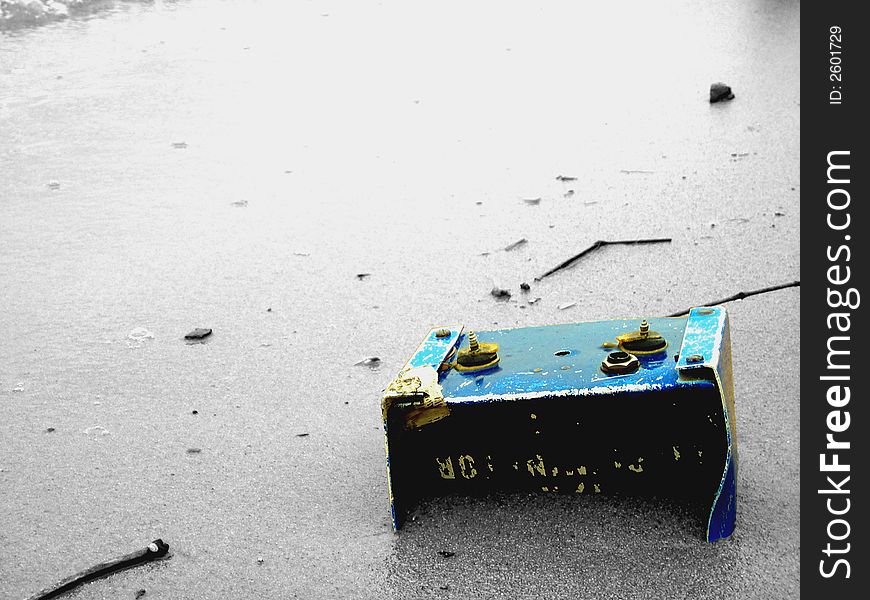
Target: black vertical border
(827, 127)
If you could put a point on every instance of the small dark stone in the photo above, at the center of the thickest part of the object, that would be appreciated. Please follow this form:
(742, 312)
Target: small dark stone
(194, 450)
(525, 287)
(49, 430)
(720, 92)
(139, 594)
(302, 434)
(198, 334)
(372, 362)
(500, 293)
(269, 309)
(446, 553)
(194, 412)
(362, 276)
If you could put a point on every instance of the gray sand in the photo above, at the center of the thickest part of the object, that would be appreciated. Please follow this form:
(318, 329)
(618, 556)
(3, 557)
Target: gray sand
(168, 127)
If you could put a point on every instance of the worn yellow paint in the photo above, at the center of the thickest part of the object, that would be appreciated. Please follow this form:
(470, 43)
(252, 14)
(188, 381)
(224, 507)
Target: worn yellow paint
(516, 466)
(581, 470)
(637, 469)
(555, 471)
(537, 370)
(676, 453)
(418, 386)
(489, 463)
(580, 487)
(545, 489)
(536, 466)
(569, 473)
(445, 468)
(618, 465)
(597, 488)
(533, 415)
(466, 466)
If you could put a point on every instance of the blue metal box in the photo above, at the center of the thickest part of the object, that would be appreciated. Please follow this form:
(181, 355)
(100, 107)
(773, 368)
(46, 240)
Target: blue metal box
(627, 406)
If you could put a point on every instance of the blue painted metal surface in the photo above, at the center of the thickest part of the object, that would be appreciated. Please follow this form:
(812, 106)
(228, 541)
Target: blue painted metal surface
(433, 350)
(530, 366)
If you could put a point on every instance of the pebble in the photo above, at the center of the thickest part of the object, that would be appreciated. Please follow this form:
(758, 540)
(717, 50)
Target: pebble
(372, 361)
(719, 92)
(198, 334)
(500, 293)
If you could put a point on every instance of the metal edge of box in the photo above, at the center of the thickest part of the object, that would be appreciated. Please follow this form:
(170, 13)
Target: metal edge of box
(432, 351)
(706, 352)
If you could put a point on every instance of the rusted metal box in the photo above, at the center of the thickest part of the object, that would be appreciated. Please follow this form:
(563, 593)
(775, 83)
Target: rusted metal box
(634, 406)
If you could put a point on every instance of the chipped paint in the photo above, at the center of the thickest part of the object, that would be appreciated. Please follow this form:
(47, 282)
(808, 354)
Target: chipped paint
(536, 466)
(580, 487)
(445, 468)
(466, 466)
(419, 387)
(676, 453)
(433, 350)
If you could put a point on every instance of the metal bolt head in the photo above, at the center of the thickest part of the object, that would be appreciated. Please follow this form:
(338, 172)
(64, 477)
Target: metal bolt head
(620, 363)
(695, 358)
(442, 333)
(619, 357)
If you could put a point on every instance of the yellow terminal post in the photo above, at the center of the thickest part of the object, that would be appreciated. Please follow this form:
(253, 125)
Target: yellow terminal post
(478, 356)
(642, 341)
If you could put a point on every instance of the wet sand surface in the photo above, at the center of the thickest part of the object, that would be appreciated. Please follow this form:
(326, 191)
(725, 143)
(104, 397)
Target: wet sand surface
(235, 165)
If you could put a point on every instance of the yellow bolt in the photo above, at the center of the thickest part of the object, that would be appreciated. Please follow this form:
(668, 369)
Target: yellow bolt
(472, 342)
